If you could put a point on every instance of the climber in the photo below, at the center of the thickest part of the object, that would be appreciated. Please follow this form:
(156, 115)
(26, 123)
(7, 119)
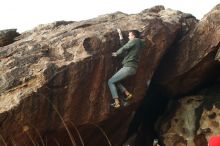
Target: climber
(131, 53)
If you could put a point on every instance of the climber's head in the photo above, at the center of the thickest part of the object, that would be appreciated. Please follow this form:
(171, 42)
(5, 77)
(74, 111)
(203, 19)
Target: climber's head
(133, 34)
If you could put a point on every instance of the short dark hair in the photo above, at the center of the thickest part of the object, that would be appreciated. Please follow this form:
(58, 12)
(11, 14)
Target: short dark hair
(136, 33)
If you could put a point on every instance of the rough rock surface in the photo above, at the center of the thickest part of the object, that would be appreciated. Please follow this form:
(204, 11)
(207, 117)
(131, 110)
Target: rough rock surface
(193, 120)
(190, 63)
(7, 36)
(55, 76)
(193, 63)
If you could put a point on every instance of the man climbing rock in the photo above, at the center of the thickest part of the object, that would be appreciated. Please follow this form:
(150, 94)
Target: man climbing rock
(131, 53)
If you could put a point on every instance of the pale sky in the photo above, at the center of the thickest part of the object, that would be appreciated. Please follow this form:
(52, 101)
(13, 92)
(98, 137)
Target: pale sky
(27, 14)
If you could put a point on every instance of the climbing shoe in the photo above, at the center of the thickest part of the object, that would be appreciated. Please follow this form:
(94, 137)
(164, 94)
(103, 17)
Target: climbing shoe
(128, 97)
(115, 104)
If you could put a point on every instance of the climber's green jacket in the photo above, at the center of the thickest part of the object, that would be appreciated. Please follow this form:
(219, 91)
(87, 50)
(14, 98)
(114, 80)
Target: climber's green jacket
(131, 52)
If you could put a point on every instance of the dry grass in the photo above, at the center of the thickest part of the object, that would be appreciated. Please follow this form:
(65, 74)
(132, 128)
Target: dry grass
(61, 118)
(13, 141)
(3, 140)
(39, 135)
(32, 140)
(78, 133)
(103, 132)
(58, 144)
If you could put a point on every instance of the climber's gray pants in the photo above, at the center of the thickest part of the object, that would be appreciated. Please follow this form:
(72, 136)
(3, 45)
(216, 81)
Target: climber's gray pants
(120, 75)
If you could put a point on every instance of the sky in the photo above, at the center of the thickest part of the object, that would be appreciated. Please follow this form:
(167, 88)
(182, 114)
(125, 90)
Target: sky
(27, 14)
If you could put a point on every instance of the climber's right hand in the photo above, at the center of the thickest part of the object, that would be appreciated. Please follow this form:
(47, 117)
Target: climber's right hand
(120, 34)
(114, 54)
(119, 30)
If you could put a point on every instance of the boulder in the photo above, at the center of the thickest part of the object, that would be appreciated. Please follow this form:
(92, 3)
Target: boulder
(53, 81)
(7, 36)
(191, 62)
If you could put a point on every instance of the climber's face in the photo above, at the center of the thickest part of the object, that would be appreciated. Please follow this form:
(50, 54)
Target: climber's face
(131, 36)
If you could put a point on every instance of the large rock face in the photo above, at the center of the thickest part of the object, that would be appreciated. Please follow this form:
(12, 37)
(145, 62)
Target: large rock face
(7, 36)
(190, 63)
(55, 77)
